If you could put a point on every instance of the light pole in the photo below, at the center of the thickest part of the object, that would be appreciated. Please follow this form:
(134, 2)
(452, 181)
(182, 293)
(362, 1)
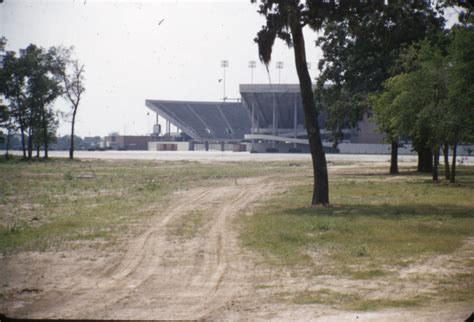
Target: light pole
(279, 66)
(252, 66)
(224, 65)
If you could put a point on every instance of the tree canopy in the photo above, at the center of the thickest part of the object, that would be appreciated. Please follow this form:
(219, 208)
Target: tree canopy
(30, 83)
(361, 50)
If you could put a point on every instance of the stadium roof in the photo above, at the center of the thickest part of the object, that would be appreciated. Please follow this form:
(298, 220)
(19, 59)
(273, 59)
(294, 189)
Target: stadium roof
(205, 120)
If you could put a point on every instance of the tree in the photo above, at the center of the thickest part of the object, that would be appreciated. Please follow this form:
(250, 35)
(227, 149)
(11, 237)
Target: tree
(30, 85)
(71, 74)
(13, 76)
(414, 101)
(385, 107)
(7, 124)
(431, 100)
(43, 89)
(360, 51)
(286, 19)
(460, 113)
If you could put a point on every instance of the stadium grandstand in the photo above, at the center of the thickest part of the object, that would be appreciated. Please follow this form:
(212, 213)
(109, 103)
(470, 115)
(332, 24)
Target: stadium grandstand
(266, 118)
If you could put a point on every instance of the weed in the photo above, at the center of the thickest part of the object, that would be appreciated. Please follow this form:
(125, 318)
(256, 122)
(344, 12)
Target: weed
(68, 175)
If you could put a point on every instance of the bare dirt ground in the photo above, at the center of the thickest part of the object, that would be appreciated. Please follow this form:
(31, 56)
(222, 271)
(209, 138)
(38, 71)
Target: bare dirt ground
(208, 275)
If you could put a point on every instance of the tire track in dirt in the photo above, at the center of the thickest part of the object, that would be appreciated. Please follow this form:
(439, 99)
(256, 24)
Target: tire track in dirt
(161, 276)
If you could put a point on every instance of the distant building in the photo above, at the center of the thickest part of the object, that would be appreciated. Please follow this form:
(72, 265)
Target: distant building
(93, 142)
(366, 131)
(2, 57)
(126, 142)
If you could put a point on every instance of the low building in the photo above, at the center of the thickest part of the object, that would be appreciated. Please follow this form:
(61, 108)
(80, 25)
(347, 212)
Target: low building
(93, 142)
(126, 142)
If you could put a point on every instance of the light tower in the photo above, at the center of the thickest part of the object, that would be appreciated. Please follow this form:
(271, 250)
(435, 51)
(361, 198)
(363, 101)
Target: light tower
(279, 66)
(224, 65)
(252, 66)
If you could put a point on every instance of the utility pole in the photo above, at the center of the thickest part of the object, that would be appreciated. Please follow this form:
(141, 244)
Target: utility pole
(279, 66)
(252, 66)
(224, 65)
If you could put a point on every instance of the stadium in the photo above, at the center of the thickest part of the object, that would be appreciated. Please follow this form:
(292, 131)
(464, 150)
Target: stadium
(266, 118)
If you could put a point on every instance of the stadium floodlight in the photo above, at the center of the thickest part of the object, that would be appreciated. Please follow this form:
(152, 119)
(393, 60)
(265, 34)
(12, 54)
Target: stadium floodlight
(279, 66)
(252, 65)
(224, 65)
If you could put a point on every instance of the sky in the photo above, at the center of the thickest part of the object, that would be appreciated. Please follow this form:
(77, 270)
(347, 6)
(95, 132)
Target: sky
(129, 56)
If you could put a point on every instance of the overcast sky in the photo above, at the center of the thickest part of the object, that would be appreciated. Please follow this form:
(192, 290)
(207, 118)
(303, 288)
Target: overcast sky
(129, 56)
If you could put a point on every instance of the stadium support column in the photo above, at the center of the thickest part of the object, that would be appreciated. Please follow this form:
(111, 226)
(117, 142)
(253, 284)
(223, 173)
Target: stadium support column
(295, 120)
(274, 118)
(252, 130)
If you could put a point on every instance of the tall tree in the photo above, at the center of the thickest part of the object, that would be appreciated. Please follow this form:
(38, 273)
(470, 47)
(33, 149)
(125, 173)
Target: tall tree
(13, 86)
(30, 85)
(460, 114)
(286, 19)
(360, 51)
(7, 124)
(432, 100)
(71, 73)
(43, 89)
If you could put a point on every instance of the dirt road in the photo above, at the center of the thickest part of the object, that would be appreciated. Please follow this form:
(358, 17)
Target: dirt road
(174, 270)
(159, 275)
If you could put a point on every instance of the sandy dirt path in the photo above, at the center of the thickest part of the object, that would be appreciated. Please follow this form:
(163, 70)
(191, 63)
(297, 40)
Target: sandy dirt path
(159, 275)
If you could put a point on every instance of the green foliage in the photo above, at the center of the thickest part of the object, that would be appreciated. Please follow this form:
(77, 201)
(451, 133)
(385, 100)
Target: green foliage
(431, 100)
(30, 84)
(360, 51)
(414, 103)
(460, 64)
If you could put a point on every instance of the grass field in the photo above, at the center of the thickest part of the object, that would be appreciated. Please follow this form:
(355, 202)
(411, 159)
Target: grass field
(406, 234)
(377, 227)
(60, 204)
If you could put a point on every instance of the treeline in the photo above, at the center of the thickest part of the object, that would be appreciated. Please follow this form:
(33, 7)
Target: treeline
(62, 143)
(401, 62)
(30, 82)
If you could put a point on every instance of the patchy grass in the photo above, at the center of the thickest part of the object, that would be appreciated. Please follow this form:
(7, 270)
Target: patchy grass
(188, 225)
(377, 225)
(59, 203)
(349, 301)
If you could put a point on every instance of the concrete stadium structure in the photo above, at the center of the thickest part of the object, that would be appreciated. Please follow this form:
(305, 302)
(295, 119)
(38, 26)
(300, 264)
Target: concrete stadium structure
(267, 118)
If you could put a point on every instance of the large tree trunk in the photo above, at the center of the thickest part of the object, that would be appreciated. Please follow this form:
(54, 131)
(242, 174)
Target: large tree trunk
(321, 184)
(419, 166)
(394, 157)
(71, 147)
(447, 172)
(30, 144)
(428, 160)
(435, 163)
(45, 132)
(425, 160)
(7, 144)
(453, 166)
(22, 132)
